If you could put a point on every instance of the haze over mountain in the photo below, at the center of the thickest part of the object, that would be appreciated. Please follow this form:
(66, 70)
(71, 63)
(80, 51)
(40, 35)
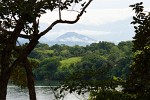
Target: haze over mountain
(69, 38)
(72, 38)
(115, 32)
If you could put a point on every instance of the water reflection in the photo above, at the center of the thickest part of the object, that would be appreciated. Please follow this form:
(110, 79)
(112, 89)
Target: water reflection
(43, 93)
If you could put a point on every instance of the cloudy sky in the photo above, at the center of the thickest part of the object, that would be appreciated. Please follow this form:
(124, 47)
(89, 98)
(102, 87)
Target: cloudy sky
(105, 20)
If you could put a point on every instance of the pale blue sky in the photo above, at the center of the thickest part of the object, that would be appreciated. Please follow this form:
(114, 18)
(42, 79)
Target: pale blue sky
(105, 20)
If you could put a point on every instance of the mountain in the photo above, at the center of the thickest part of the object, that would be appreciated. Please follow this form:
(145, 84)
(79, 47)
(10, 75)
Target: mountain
(116, 31)
(69, 38)
(72, 38)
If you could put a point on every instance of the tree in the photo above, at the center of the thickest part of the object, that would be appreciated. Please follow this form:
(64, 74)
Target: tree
(47, 69)
(20, 19)
(139, 79)
(91, 74)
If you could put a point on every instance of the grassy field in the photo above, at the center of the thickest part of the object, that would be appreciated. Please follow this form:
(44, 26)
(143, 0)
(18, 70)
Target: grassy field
(67, 62)
(45, 51)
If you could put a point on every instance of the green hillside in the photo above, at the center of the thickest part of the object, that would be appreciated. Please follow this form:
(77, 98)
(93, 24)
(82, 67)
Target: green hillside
(67, 62)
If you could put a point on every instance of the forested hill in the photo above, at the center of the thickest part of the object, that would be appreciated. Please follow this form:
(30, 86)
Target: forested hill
(60, 61)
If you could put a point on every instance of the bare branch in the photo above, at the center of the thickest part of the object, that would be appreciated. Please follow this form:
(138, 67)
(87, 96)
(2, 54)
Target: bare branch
(59, 10)
(73, 11)
(24, 36)
(66, 21)
(35, 26)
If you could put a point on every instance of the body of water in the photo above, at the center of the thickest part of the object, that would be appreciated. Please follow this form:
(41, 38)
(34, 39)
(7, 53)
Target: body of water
(42, 92)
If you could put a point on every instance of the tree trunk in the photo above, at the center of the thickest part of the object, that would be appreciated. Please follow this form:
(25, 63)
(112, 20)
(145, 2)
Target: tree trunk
(5, 73)
(3, 84)
(3, 88)
(30, 79)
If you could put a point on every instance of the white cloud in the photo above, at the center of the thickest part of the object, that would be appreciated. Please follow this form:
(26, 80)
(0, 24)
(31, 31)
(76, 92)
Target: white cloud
(100, 12)
(97, 35)
(49, 17)
(92, 17)
(91, 33)
(109, 4)
(103, 16)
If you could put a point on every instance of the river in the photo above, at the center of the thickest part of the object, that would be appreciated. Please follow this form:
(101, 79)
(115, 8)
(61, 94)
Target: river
(42, 92)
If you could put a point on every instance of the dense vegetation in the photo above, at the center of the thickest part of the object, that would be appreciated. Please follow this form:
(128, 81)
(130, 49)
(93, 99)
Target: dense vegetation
(22, 19)
(82, 69)
(139, 80)
(98, 68)
(60, 61)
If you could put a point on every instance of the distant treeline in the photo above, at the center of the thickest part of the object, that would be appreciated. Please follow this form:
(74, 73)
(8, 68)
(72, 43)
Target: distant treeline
(58, 62)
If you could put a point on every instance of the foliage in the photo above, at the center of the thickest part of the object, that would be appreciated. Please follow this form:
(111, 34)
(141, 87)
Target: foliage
(92, 57)
(95, 68)
(21, 19)
(87, 71)
(19, 74)
(47, 69)
(140, 77)
(67, 62)
(110, 95)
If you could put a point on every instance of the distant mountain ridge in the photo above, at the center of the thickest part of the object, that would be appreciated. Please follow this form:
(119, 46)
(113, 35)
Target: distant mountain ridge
(74, 37)
(71, 39)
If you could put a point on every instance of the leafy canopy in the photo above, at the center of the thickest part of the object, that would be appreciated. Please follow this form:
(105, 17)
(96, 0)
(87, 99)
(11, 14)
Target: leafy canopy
(139, 80)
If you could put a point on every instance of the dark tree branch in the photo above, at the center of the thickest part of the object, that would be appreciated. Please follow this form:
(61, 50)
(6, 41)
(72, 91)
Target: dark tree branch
(30, 79)
(18, 24)
(24, 36)
(15, 34)
(74, 11)
(25, 52)
(66, 21)
(35, 26)
(59, 9)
